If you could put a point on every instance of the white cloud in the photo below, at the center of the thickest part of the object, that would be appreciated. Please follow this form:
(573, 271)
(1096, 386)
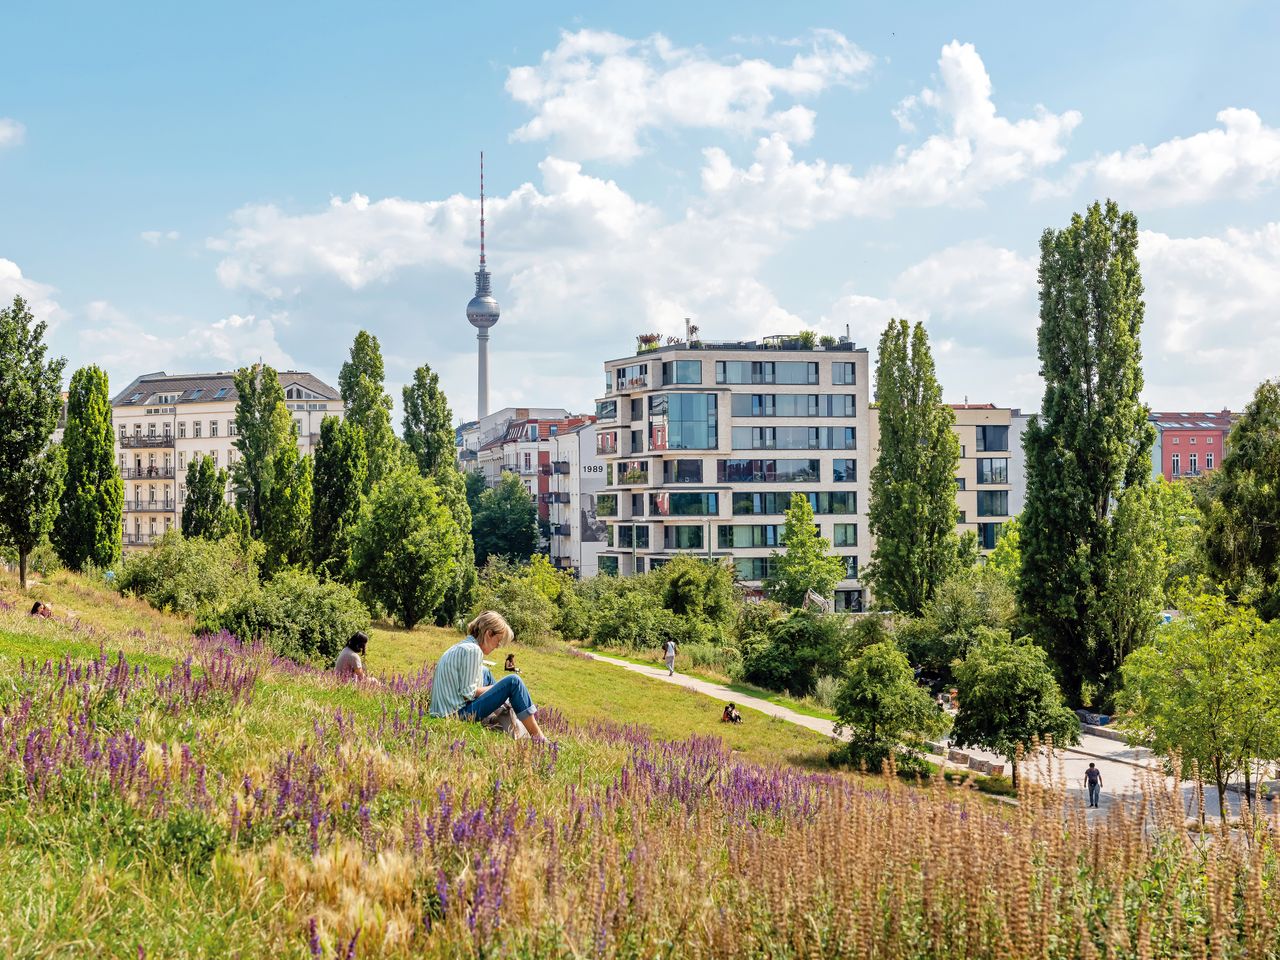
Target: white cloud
(12, 133)
(596, 94)
(1239, 159)
(156, 237)
(975, 151)
(40, 297)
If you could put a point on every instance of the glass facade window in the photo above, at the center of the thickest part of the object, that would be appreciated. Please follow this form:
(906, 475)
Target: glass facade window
(637, 409)
(794, 438)
(848, 601)
(850, 566)
(658, 405)
(682, 371)
(682, 471)
(691, 421)
(633, 471)
(637, 536)
(793, 405)
(844, 471)
(606, 505)
(844, 535)
(608, 566)
(635, 375)
(682, 538)
(766, 371)
(767, 471)
(844, 373)
(606, 409)
(753, 568)
(684, 504)
(749, 535)
(993, 470)
(988, 534)
(606, 441)
(993, 438)
(993, 503)
(637, 504)
(637, 442)
(825, 501)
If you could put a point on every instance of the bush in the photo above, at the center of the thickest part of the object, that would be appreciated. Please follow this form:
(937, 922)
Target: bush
(192, 577)
(825, 690)
(790, 655)
(633, 621)
(298, 616)
(718, 657)
(531, 615)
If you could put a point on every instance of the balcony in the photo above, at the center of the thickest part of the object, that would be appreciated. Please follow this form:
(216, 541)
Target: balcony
(140, 539)
(139, 442)
(559, 496)
(561, 530)
(150, 506)
(147, 473)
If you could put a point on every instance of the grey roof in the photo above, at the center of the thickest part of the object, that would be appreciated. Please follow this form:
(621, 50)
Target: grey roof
(203, 387)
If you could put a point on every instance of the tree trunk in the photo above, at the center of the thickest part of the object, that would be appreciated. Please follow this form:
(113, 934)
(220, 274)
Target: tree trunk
(1013, 771)
(1222, 790)
(22, 568)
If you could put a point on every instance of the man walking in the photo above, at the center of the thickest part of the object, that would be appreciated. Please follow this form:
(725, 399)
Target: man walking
(670, 658)
(1093, 781)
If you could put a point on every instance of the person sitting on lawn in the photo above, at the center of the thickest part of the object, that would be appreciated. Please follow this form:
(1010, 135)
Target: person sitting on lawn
(510, 665)
(731, 714)
(39, 609)
(350, 665)
(458, 688)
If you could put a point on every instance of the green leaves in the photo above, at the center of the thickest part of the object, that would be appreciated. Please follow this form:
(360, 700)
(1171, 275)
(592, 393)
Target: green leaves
(367, 404)
(805, 563)
(205, 512)
(505, 522)
(89, 524)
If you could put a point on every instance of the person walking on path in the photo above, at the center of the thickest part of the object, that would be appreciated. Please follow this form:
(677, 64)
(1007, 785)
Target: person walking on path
(1093, 781)
(459, 687)
(671, 658)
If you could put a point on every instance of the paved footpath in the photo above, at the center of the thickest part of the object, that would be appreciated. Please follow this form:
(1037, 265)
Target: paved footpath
(1123, 767)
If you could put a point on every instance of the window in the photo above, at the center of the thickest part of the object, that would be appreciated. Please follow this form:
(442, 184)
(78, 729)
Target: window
(850, 566)
(528, 462)
(767, 471)
(135, 398)
(993, 503)
(197, 393)
(532, 430)
(793, 405)
(137, 429)
(765, 371)
(637, 504)
(993, 438)
(1177, 465)
(682, 371)
(633, 471)
(1192, 441)
(749, 535)
(214, 454)
(606, 409)
(753, 568)
(991, 470)
(682, 471)
(553, 429)
(844, 471)
(794, 438)
(222, 392)
(124, 433)
(964, 517)
(151, 429)
(297, 428)
(168, 429)
(182, 461)
(608, 566)
(606, 441)
(639, 565)
(635, 375)
(682, 538)
(844, 535)
(213, 428)
(637, 536)
(848, 601)
(988, 534)
(684, 504)
(606, 505)
(1208, 439)
(1177, 440)
(1208, 461)
(826, 501)
(959, 483)
(637, 442)
(691, 421)
(232, 429)
(195, 429)
(843, 373)
(1192, 464)
(637, 409)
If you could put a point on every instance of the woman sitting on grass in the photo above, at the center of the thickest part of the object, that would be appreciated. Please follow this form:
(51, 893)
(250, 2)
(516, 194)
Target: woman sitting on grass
(731, 714)
(350, 665)
(458, 688)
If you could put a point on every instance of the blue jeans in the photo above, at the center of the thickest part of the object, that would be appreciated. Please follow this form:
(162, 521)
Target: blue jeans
(1095, 792)
(510, 687)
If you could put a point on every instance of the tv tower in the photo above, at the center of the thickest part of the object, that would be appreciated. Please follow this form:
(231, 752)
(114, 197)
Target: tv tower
(482, 313)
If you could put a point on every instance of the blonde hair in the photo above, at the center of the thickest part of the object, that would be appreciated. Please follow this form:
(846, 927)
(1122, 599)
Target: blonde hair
(491, 621)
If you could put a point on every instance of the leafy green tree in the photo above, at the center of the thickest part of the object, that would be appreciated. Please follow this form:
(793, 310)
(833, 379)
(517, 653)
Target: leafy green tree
(89, 526)
(428, 429)
(1241, 506)
(970, 605)
(883, 710)
(461, 593)
(1090, 442)
(31, 474)
(476, 485)
(1207, 690)
(406, 547)
(1181, 536)
(794, 651)
(1006, 559)
(505, 523)
(264, 432)
(205, 512)
(366, 403)
(341, 464)
(805, 563)
(1009, 700)
(286, 523)
(1133, 592)
(912, 511)
(698, 588)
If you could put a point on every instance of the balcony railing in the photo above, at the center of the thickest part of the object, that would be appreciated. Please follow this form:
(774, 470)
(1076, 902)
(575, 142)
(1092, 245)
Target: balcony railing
(140, 539)
(561, 530)
(148, 442)
(559, 496)
(147, 473)
(150, 506)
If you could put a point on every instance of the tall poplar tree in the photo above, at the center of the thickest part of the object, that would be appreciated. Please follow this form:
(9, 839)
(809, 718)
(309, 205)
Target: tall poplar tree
(205, 511)
(31, 472)
(286, 517)
(912, 513)
(1090, 442)
(366, 403)
(264, 430)
(89, 526)
(341, 463)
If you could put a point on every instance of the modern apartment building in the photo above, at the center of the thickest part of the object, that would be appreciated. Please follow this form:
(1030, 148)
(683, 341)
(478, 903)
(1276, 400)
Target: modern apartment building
(1189, 444)
(575, 480)
(1017, 461)
(162, 422)
(704, 443)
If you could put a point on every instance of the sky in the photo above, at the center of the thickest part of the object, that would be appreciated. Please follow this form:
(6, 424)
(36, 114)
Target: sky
(195, 187)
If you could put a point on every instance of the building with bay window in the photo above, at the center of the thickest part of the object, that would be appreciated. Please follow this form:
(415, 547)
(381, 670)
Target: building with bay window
(704, 444)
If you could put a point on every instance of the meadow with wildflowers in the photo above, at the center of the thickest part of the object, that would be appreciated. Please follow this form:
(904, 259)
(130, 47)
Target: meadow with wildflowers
(163, 795)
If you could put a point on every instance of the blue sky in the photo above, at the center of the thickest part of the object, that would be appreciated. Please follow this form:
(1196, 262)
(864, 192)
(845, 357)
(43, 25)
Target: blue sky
(191, 189)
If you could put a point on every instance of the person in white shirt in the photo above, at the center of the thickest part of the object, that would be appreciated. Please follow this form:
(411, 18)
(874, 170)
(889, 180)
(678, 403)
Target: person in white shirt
(671, 658)
(459, 689)
(350, 664)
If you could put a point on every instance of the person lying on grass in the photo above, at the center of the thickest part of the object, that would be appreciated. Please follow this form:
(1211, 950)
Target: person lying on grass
(459, 688)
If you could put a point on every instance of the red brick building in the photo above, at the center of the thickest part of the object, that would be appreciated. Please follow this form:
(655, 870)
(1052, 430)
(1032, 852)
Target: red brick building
(1189, 444)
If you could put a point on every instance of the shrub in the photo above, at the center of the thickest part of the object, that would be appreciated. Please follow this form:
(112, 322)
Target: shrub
(791, 653)
(531, 615)
(633, 621)
(192, 577)
(298, 616)
(825, 690)
(697, 588)
(718, 657)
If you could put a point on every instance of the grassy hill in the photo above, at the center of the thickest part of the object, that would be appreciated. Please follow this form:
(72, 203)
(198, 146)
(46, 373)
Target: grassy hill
(162, 796)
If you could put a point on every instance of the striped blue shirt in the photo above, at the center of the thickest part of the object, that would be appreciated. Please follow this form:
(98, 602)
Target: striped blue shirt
(459, 673)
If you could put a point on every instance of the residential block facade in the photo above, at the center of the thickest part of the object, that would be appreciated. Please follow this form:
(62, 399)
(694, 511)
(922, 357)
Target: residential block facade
(1189, 444)
(704, 443)
(163, 422)
(575, 481)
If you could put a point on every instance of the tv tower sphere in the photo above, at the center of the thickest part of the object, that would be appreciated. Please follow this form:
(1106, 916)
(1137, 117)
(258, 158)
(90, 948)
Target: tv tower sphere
(482, 313)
